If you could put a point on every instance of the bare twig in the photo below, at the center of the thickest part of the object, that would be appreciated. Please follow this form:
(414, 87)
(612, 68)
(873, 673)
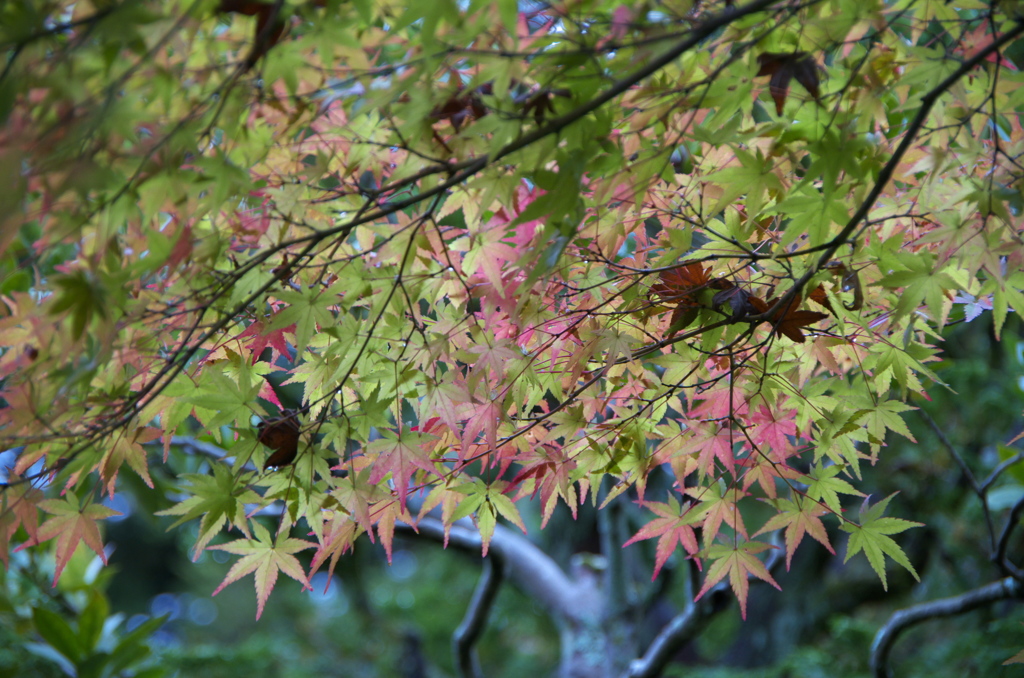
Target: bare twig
(998, 470)
(468, 632)
(947, 607)
(968, 474)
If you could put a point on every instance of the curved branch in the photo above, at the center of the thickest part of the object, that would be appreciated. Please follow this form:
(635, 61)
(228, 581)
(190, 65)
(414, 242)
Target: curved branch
(946, 607)
(526, 565)
(999, 557)
(468, 632)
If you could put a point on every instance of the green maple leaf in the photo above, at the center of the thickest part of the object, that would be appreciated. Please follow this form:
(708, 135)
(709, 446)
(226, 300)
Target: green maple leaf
(871, 537)
(72, 523)
(823, 484)
(218, 500)
(921, 283)
(265, 557)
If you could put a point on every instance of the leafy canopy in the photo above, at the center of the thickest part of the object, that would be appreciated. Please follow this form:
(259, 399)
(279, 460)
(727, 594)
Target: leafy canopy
(400, 257)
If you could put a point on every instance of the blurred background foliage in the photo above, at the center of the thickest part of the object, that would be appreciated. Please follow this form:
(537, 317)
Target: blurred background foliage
(149, 613)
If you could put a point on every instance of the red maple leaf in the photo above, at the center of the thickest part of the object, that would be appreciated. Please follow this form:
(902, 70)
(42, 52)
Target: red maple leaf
(400, 455)
(673, 526)
(275, 339)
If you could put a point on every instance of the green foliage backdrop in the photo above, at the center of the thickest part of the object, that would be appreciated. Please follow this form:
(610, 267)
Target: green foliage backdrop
(352, 267)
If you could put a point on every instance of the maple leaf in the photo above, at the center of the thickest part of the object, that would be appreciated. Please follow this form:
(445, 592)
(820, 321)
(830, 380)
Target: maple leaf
(718, 505)
(18, 506)
(773, 430)
(262, 338)
(265, 557)
(386, 513)
(711, 439)
(739, 562)
(486, 501)
(789, 320)
(871, 536)
(822, 484)
(400, 454)
(127, 447)
(679, 282)
(339, 534)
(71, 523)
(219, 500)
(547, 471)
(798, 521)
(674, 526)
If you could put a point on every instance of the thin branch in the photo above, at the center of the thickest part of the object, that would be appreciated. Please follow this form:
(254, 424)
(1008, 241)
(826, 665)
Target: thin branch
(999, 557)
(472, 626)
(946, 607)
(968, 474)
(998, 470)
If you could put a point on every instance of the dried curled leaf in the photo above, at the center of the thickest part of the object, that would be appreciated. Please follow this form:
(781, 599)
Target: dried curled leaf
(282, 436)
(790, 320)
(849, 282)
(784, 67)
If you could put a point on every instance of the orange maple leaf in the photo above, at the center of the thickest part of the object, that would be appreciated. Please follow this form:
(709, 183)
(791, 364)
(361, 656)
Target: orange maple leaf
(71, 523)
(739, 562)
(265, 556)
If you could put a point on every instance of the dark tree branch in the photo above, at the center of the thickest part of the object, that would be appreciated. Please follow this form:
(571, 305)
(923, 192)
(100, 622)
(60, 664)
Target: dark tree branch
(472, 626)
(685, 626)
(998, 470)
(999, 557)
(968, 474)
(947, 607)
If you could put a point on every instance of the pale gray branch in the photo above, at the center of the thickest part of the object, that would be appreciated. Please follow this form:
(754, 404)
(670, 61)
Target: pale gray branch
(526, 565)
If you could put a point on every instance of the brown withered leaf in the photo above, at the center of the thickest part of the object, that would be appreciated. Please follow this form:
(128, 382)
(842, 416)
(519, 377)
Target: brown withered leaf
(679, 283)
(783, 67)
(539, 103)
(280, 434)
(789, 320)
(849, 281)
(738, 300)
(463, 107)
